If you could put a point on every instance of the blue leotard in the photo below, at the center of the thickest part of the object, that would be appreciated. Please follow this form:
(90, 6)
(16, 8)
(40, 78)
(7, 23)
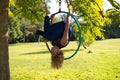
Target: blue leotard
(54, 32)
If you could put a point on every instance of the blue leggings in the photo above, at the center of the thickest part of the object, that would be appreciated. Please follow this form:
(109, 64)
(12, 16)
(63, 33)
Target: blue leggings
(52, 31)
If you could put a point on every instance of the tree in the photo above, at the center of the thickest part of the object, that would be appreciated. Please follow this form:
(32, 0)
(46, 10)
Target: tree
(30, 9)
(112, 30)
(90, 12)
(4, 54)
(115, 4)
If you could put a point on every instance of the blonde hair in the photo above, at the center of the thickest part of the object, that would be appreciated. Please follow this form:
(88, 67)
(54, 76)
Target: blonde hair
(57, 60)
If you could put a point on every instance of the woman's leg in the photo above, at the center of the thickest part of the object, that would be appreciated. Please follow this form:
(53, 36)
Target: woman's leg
(47, 19)
(64, 40)
(46, 25)
(46, 10)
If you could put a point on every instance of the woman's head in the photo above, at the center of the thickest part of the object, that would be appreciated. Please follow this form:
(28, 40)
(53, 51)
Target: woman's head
(57, 57)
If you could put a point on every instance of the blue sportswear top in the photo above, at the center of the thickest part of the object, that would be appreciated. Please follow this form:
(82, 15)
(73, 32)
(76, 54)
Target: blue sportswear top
(54, 32)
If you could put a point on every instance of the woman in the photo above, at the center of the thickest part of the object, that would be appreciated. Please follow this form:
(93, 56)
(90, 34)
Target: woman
(58, 33)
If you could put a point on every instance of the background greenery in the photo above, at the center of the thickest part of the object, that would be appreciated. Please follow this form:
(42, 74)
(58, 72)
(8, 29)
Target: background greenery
(31, 61)
(94, 25)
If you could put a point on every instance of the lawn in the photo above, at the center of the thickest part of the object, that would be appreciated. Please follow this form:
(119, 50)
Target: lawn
(31, 61)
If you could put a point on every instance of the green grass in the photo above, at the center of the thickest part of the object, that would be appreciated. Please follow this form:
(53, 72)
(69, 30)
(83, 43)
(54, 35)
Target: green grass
(31, 61)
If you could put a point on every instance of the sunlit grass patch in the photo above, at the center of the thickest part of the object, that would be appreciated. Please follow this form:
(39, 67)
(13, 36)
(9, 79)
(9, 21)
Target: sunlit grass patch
(31, 61)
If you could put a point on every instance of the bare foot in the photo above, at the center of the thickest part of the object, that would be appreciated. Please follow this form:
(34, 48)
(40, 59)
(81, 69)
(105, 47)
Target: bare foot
(46, 9)
(33, 29)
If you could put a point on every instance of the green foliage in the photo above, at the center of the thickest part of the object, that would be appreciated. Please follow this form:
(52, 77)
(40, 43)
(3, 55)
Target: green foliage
(75, 35)
(112, 30)
(92, 20)
(87, 10)
(32, 10)
(115, 4)
(14, 30)
(31, 37)
(11, 3)
(31, 61)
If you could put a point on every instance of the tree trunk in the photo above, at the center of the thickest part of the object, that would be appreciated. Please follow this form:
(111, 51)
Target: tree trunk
(4, 55)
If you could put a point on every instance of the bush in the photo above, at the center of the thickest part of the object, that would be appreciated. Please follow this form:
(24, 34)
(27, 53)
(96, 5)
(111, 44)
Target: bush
(14, 30)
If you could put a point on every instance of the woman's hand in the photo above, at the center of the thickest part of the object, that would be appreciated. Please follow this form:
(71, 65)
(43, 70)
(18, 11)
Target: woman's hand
(52, 16)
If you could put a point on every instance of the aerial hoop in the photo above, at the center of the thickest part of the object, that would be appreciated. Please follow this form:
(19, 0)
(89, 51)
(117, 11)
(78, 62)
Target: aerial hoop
(79, 30)
(80, 36)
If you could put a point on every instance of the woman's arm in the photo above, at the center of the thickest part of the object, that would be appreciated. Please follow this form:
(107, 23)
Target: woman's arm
(64, 40)
(52, 16)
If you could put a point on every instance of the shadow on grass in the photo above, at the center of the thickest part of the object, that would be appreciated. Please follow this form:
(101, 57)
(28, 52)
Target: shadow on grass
(34, 53)
(45, 52)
